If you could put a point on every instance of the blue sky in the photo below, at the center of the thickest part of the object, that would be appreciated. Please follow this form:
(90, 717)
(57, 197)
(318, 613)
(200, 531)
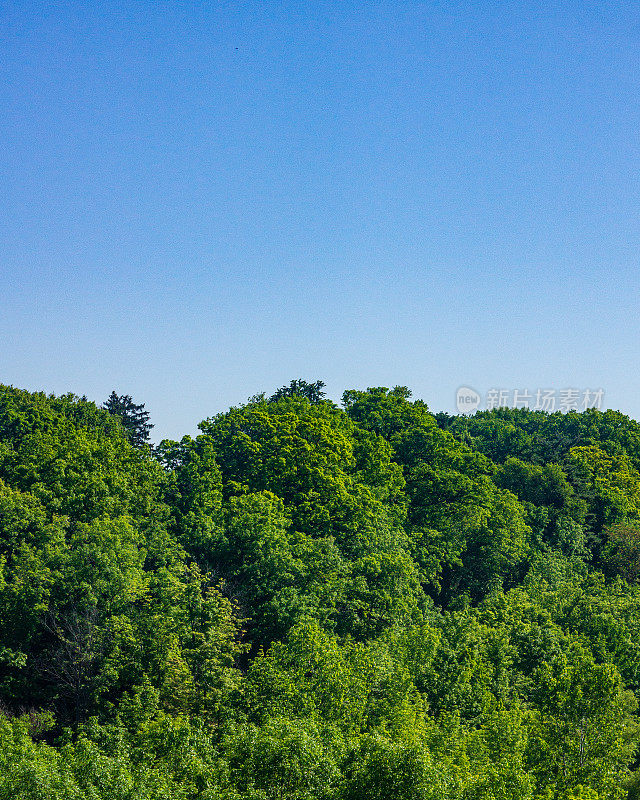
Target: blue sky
(203, 200)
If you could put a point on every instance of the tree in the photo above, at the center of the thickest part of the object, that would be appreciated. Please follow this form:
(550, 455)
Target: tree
(313, 392)
(621, 555)
(288, 759)
(382, 769)
(338, 487)
(135, 420)
(583, 729)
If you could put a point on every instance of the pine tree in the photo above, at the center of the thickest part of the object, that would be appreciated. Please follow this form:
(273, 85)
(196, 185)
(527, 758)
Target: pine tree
(135, 420)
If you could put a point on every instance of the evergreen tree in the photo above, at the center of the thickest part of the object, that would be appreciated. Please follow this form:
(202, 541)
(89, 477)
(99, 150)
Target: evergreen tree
(135, 420)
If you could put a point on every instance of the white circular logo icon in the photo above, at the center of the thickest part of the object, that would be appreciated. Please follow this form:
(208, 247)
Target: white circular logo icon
(467, 400)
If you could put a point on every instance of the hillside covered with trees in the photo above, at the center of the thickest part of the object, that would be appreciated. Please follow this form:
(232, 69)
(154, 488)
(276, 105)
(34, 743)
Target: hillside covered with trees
(313, 602)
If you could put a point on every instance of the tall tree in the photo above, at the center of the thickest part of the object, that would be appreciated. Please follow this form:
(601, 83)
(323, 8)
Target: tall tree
(135, 420)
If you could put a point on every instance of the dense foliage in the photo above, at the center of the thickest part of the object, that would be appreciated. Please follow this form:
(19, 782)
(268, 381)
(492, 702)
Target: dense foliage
(313, 602)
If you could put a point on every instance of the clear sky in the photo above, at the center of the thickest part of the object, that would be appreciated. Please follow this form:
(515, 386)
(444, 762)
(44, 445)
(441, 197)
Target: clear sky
(202, 200)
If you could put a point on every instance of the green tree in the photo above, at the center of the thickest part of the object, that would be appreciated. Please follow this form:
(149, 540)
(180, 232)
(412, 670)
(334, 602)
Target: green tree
(337, 484)
(621, 555)
(134, 419)
(313, 392)
(584, 729)
(289, 759)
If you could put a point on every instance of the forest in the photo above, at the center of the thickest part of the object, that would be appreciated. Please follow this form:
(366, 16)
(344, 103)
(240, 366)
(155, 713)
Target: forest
(313, 601)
